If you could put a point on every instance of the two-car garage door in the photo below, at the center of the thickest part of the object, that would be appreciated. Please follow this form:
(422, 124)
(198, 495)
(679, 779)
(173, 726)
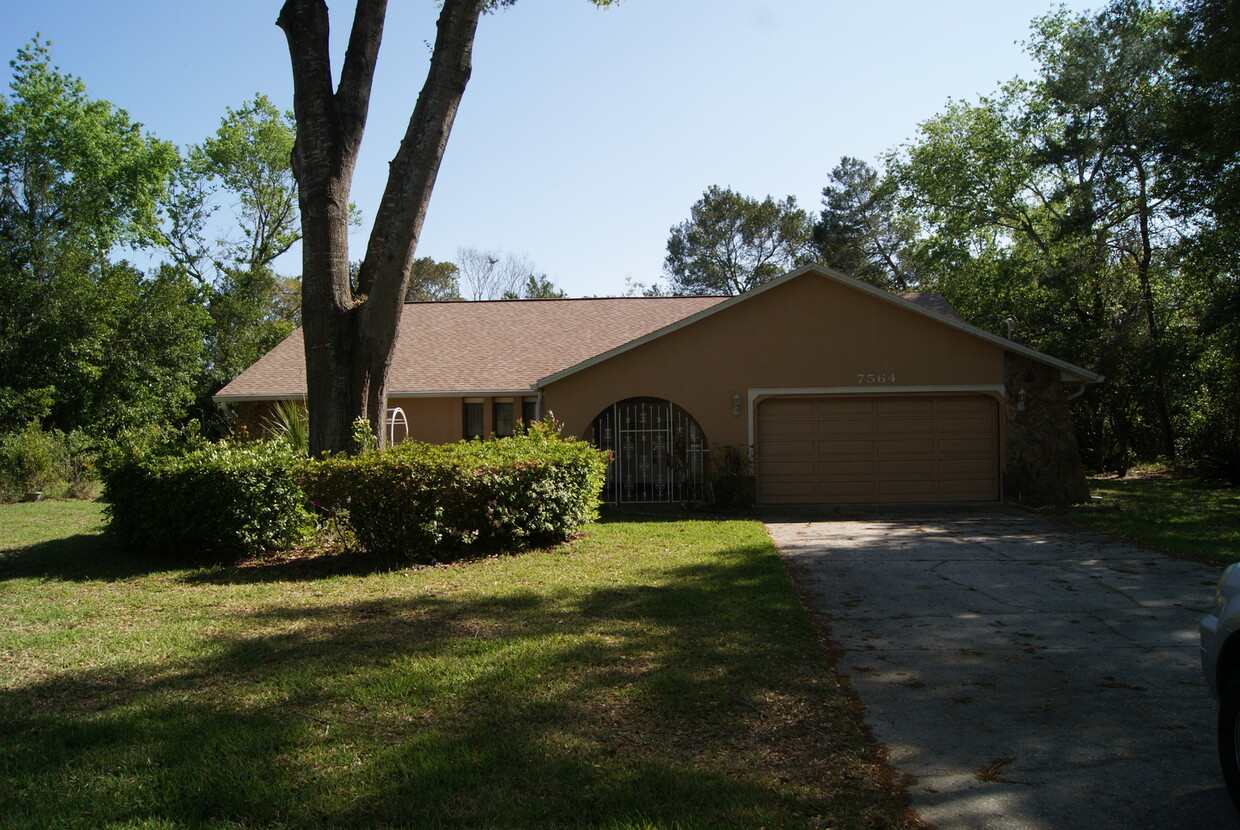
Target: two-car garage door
(880, 448)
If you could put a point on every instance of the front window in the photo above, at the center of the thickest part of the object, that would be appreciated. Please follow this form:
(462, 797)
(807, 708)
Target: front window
(503, 418)
(473, 419)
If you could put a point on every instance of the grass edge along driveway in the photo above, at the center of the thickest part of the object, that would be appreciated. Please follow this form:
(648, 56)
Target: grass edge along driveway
(1153, 507)
(652, 674)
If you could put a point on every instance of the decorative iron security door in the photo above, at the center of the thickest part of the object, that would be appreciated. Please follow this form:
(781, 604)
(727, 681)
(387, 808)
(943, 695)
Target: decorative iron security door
(659, 452)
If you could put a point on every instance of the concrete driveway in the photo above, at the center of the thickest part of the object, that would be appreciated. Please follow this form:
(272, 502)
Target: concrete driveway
(1022, 674)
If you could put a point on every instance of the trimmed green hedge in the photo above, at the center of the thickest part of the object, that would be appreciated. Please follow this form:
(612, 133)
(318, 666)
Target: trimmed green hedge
(421, 502)
(429, 502)
(220, 500)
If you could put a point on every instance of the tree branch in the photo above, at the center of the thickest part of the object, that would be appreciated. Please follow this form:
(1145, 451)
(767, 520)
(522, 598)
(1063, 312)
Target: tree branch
(412, 173)
(305, 27)
(325, 150)
(357, 75)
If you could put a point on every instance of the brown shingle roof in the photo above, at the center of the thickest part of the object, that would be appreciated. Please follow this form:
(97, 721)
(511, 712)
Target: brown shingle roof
(476, 347)
(934, 302)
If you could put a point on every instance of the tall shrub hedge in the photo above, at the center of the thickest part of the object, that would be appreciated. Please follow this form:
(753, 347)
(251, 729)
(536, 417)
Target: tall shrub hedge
(54, 464)
(429, 502)
(219, 500)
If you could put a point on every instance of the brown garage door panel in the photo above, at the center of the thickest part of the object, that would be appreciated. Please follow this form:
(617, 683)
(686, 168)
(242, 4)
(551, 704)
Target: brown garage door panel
(967, 467)
(844, 469)
(790, 408)
(979, 447)
(967, 489)
(907, 490)
(847, 426)
(916, 448)
(842, 491)
(800, 469)
(840, 448)
(844, 408)
(792, 431)
(974, 428)
(968, 405)
(784, 447)
(904, 406)
(921, 468)
(907, 448)
(789, 492)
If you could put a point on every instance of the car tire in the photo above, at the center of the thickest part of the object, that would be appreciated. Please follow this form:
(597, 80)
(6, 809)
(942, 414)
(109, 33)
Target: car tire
(1229, 735)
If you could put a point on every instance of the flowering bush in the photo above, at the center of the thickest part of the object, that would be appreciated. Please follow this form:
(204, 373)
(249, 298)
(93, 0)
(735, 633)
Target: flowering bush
(433, 502)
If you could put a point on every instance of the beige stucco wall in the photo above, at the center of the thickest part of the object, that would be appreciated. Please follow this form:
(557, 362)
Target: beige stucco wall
(442, 420)
(808, 333)
(434, 420)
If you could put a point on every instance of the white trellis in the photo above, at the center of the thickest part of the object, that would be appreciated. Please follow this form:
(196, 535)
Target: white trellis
(396, 420)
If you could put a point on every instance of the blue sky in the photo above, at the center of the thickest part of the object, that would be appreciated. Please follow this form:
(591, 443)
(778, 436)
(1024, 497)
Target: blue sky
(585, 135)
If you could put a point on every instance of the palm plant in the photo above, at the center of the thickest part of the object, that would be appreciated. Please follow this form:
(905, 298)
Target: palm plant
(290, 423)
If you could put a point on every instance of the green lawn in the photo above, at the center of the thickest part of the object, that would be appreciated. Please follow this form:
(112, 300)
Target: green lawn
(1182, 516)
(653, 674)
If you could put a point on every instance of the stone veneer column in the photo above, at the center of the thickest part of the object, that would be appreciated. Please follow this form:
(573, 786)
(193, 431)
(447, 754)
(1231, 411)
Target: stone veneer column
(1043, 459)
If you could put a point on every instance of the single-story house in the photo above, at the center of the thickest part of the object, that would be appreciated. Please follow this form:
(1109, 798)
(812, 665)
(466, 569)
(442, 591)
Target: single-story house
(841, 392)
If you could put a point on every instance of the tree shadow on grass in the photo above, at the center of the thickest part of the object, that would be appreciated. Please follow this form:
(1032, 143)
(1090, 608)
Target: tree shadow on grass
(85, 557)
(309, 564)
(79, 558)
(699, 701)
(313, 565)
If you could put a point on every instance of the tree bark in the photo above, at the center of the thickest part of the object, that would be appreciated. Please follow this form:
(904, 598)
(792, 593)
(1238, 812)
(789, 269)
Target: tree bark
(350, 335)
(1144, 265)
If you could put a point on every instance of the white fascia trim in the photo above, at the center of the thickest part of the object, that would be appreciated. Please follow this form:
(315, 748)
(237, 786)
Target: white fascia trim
(975, 389)
(292, 396)
(466, 393)
(527, 392)
(1068, 371)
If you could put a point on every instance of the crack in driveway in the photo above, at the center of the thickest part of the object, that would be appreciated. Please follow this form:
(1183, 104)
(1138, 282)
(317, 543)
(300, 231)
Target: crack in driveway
(1068, 656)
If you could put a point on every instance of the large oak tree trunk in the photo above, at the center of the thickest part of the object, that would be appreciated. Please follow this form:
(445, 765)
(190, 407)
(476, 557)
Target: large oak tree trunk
(351, 331)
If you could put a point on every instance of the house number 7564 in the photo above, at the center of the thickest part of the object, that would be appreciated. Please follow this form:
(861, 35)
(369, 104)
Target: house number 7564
(864, 379)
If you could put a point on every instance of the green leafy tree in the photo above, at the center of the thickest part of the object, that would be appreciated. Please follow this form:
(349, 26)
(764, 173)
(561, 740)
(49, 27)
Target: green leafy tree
(1106, 79)
(150, 349)
(537, 287)
(862, 230)
(732, 243)
(350, 328)
(432, 281)
(1203, 141)
(1202, 151)
(245, 164)
(636, 288)
(82, 341)
(1047, 213)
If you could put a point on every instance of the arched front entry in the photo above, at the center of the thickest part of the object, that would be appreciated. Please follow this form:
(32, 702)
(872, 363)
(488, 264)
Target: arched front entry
(659, 452)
